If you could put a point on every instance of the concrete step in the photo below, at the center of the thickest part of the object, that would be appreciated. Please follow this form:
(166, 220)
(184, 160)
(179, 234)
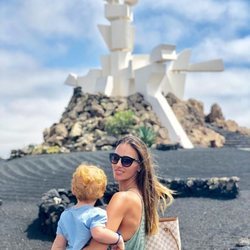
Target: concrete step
(233, 139)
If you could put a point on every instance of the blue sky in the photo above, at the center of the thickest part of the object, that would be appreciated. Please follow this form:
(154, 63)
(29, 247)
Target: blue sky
(42, 41)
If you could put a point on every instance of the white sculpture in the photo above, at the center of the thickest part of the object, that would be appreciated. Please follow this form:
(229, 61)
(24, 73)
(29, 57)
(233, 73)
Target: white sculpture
(154, 75)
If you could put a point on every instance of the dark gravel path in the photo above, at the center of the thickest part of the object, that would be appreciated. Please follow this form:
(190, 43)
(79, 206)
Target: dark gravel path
(204, 223)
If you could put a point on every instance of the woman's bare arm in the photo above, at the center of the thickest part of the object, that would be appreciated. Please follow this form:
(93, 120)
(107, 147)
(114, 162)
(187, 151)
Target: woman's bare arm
(116, 210)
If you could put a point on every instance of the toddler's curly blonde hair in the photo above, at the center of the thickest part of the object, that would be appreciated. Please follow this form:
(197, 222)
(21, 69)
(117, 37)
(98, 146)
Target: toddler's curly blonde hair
(88, 182)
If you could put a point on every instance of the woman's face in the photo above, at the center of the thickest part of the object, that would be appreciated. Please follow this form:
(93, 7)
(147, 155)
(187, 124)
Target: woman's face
(120, 172)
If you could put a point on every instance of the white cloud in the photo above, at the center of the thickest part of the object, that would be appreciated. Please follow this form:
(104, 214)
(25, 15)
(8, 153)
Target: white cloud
(187, 24)
(194, 12)
(200, 10)
(157, 30)
(48, 18)
(49, 27)
(25, 120)
(32, 98)
(29, 82)
(23, 76)
(16, 60)
(235, 51)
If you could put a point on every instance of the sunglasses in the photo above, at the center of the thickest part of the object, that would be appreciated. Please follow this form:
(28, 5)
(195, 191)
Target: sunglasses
(125, 160)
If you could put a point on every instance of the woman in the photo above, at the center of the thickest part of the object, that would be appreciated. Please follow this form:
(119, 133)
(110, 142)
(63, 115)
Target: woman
(133, 211)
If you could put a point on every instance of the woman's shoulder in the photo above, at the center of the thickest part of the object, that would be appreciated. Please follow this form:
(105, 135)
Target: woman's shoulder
(123, 194)
(126, 198)
(120, 196)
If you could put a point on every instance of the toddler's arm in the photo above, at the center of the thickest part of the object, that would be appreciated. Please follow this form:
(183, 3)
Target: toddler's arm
(59, 243)
(107, 236)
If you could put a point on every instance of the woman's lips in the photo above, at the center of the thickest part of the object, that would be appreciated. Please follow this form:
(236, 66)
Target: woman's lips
(118, 171)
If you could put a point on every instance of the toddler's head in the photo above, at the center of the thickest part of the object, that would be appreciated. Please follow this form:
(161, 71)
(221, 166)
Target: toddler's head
(88, 182)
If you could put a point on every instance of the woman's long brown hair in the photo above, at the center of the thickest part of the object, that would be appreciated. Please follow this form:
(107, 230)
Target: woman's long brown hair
(155, 195)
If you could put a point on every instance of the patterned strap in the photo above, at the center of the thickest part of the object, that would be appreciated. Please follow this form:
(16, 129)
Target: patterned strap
(167, 230)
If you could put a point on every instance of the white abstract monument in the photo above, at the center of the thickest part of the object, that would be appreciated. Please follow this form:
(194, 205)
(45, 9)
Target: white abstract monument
(154, 75)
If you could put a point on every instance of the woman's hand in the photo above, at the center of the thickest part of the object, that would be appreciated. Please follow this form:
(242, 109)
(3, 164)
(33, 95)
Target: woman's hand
(120, 245)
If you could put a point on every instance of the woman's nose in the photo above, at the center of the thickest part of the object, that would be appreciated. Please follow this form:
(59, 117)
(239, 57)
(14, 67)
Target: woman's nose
(119, 163)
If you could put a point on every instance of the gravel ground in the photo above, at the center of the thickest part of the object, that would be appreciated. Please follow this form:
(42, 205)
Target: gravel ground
(205, 223)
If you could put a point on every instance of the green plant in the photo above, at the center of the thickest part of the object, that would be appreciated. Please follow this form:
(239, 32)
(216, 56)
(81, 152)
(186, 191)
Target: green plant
(147, 135)
(42, 149)
(37, 150)
(120, 123)
(53, 150)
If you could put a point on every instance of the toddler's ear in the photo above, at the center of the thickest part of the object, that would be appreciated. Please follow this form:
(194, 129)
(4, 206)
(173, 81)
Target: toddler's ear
(72, 190)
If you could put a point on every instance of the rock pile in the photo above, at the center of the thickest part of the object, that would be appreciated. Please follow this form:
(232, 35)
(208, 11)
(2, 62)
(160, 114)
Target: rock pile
(203, 129)
(82, 125)
(191, 115)
(55, 201)
(216, 118)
